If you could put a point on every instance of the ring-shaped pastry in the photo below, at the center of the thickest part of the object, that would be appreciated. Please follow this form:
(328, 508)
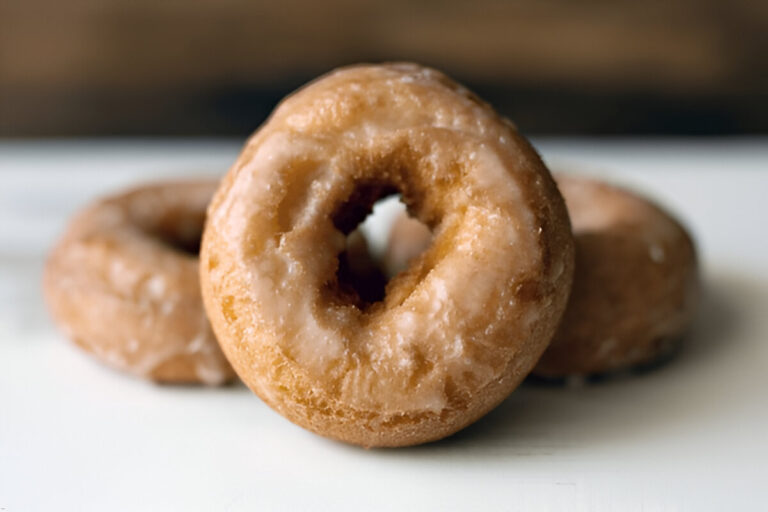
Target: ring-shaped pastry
(123, 284)
(458, 330)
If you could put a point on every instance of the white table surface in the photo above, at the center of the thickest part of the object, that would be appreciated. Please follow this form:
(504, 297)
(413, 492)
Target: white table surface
(692, 435)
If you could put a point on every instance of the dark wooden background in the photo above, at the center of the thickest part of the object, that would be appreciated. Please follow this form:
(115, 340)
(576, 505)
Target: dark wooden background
(181, 67)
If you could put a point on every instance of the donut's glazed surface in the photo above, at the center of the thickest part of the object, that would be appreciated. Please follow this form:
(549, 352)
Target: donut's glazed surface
(123, 284)
(635, 284)
(458, 330)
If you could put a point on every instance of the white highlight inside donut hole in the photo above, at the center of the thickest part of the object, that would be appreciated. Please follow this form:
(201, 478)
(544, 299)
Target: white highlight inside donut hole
(372, 257)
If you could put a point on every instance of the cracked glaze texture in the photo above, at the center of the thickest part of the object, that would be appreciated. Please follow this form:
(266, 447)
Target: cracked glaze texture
(458, 330)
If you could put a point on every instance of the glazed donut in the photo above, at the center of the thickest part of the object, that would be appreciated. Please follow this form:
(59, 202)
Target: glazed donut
(635, 283)
(635, 286)
(454, 334)
(122, 283)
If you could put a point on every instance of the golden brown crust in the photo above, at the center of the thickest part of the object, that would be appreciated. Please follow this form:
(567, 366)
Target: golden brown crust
(635, 285)
(123, 284)
(457, 331)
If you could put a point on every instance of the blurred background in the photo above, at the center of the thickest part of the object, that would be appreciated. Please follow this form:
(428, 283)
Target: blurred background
(196, 67)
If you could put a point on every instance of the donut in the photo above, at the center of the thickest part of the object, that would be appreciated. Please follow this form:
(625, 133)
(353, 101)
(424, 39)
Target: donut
(451, 336)
(635, 286)
(123, 284)
(635, 283)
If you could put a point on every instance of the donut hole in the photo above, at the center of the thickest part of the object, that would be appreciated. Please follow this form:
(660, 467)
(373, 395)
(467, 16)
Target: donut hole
(360, 280)
(180, 236)
(364, 267)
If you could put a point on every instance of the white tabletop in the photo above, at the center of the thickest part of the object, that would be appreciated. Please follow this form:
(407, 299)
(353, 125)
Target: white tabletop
(692, 435)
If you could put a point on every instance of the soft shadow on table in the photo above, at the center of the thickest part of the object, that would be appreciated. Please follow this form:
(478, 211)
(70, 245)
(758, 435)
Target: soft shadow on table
(541, 420)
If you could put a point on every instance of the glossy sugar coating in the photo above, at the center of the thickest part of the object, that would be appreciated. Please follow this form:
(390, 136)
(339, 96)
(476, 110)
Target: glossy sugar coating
(458, 330)
(115, 285)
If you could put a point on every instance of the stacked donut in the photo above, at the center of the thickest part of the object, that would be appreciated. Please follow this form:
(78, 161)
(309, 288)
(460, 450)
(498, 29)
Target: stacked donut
(481, 298)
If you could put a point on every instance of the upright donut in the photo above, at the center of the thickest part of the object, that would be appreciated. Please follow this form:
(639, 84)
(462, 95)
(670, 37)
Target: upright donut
(455, 333)
(123, 284)
(635, 287)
